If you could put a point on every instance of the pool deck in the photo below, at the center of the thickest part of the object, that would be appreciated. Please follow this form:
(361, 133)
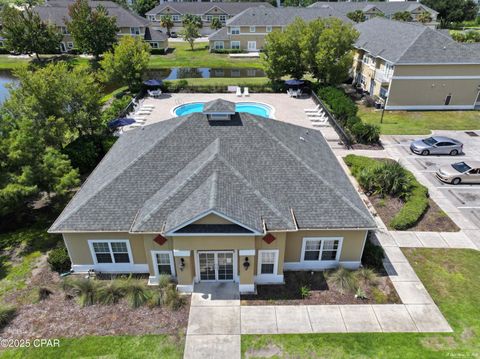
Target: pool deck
(286, 108)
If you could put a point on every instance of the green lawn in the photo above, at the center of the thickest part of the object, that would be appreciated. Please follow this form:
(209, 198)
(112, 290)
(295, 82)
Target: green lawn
(226, 81)
(117, 347)
(451, 277)
(420, 122)
(183, 56)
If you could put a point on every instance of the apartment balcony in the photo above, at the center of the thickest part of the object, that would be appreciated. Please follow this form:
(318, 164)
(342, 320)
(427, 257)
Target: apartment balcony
(382, 77)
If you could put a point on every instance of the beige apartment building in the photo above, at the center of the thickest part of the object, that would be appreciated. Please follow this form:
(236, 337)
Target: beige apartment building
(413, 67)
(217, 196)
(128, 23)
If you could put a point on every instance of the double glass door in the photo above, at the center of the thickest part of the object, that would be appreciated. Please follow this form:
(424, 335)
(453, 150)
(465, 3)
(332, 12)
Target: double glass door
(216, 266)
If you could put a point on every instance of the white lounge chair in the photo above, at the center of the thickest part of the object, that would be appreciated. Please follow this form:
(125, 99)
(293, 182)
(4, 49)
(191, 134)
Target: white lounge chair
(239, 92)
(290, 92)
(245, 92)
(312, 109)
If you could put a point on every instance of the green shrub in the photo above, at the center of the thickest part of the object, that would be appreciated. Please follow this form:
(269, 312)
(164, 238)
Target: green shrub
(365, 132)
(360, 294)
(373, 255)
(352, 121)
(110, 293)
(391, 179)
(341, 106)
(172, 298)
(7, 313)
(164, 281)
(378, 296)
(415, 206)
(366, 276)
(344, 279)
(59, 260)
(84, 289)
(136, 293)
(304, 291)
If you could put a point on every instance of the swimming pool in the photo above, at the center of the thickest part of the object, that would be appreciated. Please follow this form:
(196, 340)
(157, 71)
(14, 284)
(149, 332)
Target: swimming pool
(253, 108)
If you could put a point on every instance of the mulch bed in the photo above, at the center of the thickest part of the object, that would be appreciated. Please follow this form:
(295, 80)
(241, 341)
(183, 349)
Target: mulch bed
(57, 316)
(373, 147)
(433, 220)
(321, 292)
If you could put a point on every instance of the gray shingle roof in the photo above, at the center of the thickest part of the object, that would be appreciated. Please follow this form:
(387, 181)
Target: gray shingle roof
(281, 16)
(387, 8)
(154, 35)
(219, 106)
(221, 34)
(199, 8)
(250, 169)
(56, 12)
(412, 43)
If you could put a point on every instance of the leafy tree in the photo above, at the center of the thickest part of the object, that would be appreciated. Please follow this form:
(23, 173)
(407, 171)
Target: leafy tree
(93, 30)
(24, 32)
(301, 3)
(127, 62)
(283, 52)
(424, 17)
(402, 16)
(141, 7)
(453, 11)
(61, 103)
(189, 33)
(327, 49)
(357, 16)
(194, 20)
(216, 24)
(167, 22)
(471, 36)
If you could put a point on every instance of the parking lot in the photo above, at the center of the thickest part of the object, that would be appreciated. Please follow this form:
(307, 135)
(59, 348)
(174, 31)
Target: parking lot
(461, 202)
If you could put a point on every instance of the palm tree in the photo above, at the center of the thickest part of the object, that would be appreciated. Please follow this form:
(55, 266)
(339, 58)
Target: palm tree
(357, 16)
(167, 23)
(424, 17)
(402, 16)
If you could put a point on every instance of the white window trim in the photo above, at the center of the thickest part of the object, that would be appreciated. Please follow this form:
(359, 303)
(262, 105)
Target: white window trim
(218, 42)
(236, 42)
(235, 33)
(275, 265)
(251, 42)
(253, 28)
(322, 239)
(268, 29)
(155, 263)
(94, 257)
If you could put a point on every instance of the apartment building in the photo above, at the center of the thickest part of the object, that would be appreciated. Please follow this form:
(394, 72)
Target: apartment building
(413, 67)
(129, 23)
(206, 10)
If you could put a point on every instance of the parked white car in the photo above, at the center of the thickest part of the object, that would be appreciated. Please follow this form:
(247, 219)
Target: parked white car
(460, 172)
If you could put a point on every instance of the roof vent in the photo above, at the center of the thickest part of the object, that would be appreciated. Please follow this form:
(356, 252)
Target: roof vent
(219, 109)
(302, 138)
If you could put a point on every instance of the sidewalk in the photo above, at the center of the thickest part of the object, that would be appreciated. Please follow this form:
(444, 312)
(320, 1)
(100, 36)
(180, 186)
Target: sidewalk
(433, 239)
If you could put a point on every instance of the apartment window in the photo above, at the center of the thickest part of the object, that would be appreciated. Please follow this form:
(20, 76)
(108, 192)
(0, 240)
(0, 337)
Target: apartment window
(154, 45)
(235, 73)
(268, 29)
(135, 30)
(267, 262)
(176, 18)
(164, 263)
(235, 30)
(388, 69)
(64, 30)
(223, 18)
(383, 92)
(252, 29)
(321, 249)
(151, 17)
(235, 45)
(70, 45)
(209, 18)
(111, 251)
(218, 45)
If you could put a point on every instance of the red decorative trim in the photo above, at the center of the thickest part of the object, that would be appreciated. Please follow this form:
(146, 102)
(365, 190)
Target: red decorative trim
(269, 238)
(160, 239)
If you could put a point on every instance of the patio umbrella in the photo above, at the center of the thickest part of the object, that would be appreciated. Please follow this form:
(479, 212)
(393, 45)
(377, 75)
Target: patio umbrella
(119, 122)
(294, 82)
(153, 83)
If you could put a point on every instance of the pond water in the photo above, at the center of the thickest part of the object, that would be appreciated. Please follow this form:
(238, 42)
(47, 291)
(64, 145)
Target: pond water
(6, 77)
(176, 73)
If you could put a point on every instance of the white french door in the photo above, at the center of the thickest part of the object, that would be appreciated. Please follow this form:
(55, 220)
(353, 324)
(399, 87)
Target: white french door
(216, 266)
(252, 46)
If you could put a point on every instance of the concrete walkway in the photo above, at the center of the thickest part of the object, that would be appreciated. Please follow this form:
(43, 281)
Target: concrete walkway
(433, 239)
(214, 322)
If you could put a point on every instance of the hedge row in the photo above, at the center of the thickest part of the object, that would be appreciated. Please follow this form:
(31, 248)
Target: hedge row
(416, 201)
(345, 111)
(184, 86)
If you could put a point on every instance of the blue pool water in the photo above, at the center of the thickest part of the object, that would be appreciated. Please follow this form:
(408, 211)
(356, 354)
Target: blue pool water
(250, 107)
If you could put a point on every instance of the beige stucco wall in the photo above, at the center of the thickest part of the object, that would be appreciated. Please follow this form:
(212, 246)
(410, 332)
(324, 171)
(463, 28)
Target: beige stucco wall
(352, 246)
(278, 244)
(77, 244)
(212, 219)
(438, 70)
(186, 275)
(432, 92)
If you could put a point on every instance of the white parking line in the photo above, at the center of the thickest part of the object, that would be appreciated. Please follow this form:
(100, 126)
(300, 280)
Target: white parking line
(459, 187)
(471, 207)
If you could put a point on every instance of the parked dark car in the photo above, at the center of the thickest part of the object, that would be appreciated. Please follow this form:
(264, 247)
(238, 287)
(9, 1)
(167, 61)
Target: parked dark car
(173, 34)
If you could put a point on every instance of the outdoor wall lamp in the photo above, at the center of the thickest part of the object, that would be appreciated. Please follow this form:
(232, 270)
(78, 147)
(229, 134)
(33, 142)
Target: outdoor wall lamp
(182, 264)
(246, 264)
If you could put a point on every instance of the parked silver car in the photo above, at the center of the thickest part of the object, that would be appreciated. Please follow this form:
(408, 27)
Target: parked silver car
(460, 172)
(437, 145)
